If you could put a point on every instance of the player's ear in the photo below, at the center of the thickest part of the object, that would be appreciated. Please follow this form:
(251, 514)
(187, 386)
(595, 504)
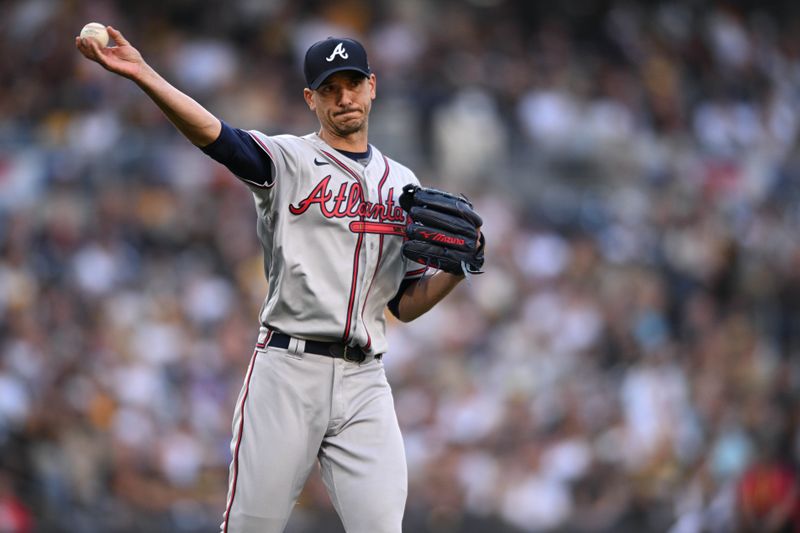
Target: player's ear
(373, 85)
(308, 95)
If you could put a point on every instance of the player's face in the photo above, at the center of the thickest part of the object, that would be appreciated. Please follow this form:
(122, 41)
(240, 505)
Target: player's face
(343, 101)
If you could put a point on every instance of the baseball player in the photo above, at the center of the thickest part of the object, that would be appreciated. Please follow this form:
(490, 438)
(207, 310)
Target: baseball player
(332, 232)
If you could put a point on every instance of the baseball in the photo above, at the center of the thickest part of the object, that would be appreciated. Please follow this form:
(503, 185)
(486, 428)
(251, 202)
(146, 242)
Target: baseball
(96, 31)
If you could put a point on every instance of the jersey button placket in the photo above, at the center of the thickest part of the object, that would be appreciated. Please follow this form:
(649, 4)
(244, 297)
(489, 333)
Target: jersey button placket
(367, 262)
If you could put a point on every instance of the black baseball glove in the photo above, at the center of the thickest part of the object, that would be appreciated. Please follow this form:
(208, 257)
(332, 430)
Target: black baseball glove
(443, 231)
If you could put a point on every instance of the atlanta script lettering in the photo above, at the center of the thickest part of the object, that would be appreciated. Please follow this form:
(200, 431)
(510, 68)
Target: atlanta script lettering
(348, 203)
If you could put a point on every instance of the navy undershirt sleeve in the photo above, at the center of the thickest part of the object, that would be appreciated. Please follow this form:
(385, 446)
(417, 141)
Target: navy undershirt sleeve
(238, 151)
(394, 303)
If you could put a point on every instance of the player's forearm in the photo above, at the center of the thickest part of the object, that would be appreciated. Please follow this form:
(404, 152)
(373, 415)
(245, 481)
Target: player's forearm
(420, 297)
(193, 120)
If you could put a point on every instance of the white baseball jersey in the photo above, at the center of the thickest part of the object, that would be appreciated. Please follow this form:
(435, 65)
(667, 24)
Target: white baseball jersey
(331, 230)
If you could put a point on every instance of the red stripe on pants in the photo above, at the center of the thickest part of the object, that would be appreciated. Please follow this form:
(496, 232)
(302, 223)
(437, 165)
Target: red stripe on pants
(239, 437)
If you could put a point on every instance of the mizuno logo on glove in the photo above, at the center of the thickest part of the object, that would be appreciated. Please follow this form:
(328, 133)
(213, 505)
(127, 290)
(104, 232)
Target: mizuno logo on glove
(439, 237)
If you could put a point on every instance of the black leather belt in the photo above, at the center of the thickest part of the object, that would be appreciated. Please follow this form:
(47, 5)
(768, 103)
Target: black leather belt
(331, 349)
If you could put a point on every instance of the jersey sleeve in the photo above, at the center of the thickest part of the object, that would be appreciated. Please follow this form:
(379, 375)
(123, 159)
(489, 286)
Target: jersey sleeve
(414, 270)
(257, 159)
(281, 150)
(243, 156)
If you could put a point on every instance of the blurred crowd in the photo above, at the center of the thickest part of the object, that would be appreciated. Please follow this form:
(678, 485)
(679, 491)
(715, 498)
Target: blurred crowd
(630, 361)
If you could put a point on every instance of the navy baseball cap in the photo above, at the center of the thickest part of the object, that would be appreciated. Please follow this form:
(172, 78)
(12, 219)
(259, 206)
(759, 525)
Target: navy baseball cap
(333, 54)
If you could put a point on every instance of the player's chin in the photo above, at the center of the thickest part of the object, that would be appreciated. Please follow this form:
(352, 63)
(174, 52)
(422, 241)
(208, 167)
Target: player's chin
(348, 127)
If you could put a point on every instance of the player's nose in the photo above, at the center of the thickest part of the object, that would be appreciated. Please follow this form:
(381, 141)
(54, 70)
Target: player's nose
(346, 97)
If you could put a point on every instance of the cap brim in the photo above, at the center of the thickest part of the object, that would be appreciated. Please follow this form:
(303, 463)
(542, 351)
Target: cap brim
(322, 77)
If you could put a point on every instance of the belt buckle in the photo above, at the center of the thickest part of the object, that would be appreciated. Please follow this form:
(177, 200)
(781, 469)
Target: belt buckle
(345, 355)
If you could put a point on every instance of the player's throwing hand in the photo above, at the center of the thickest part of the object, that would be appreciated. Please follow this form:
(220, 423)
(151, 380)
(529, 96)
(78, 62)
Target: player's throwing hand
(122, 59)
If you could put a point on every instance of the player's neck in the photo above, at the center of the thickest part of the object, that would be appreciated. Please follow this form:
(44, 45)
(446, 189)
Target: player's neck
(355, 142)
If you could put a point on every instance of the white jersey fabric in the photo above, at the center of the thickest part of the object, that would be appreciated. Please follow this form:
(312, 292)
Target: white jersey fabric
(331, 231)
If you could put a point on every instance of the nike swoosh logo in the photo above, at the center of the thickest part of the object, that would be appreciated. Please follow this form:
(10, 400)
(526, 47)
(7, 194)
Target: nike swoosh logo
(320, 163)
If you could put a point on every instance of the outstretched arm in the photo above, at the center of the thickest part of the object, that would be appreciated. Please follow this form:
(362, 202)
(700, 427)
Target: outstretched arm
(194, 121)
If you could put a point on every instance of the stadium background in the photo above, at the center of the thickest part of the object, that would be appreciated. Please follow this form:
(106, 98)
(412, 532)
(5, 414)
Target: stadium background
(629, 362)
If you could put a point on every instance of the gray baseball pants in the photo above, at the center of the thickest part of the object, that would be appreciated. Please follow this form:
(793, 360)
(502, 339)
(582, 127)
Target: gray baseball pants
(296, 408)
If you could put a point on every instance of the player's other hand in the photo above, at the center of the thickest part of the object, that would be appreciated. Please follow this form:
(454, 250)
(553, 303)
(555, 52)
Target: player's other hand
(122, 59)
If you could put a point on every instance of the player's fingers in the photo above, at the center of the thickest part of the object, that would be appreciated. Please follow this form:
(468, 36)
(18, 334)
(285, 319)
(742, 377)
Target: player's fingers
(95, 51)
(84, 47)
(93, 45)
(117, 36)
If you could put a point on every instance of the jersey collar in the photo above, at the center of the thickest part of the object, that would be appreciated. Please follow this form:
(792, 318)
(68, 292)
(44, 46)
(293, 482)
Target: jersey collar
(374, 153)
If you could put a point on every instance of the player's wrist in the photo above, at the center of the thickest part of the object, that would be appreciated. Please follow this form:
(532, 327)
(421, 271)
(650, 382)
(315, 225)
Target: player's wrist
(144, 76)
